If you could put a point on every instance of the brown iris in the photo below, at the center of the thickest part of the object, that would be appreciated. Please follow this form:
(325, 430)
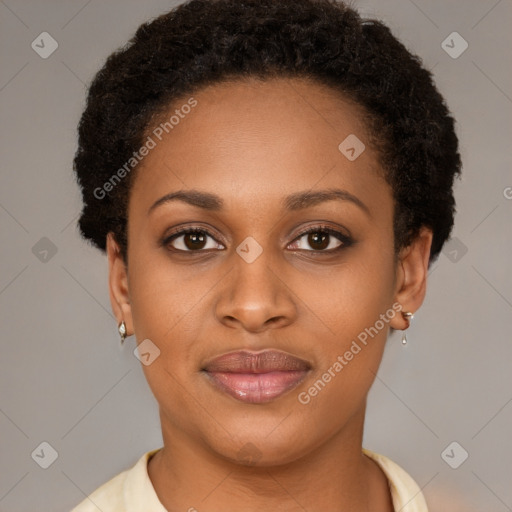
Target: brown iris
(318, 240)
(194, 241)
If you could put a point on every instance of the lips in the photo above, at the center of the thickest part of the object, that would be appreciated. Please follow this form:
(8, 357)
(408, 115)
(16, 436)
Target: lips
(256, 377)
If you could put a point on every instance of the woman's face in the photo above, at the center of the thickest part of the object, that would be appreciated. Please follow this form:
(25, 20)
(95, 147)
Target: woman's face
(257, 164)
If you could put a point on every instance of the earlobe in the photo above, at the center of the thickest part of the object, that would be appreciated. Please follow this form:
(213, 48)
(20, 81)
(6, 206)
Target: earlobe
(118, 284)
(412, 271)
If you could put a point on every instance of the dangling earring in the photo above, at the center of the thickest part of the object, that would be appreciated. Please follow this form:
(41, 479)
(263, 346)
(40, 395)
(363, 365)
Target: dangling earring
(122, 331)
(407, 316)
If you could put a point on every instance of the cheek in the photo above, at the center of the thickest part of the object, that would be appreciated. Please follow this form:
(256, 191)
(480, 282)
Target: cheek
(169, 306)
(353, 308)
(161, 293)
(166, 309)
(351, 297)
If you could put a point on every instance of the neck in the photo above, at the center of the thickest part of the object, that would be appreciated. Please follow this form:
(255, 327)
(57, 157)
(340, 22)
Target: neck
(187, 475)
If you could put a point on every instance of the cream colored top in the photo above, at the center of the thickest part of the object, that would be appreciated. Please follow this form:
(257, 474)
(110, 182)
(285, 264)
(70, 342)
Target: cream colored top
(132, 490)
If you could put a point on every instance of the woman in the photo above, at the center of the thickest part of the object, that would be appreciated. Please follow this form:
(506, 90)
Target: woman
(270, 180)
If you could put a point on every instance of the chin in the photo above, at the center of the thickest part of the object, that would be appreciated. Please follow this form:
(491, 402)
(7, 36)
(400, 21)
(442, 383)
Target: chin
(265, 447)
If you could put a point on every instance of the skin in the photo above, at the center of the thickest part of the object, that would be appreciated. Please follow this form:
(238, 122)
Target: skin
(253, 143)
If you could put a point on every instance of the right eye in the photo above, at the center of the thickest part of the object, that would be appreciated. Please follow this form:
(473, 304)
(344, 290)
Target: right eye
(191, 240)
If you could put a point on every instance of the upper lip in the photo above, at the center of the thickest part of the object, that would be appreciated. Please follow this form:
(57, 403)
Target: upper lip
(245, 361)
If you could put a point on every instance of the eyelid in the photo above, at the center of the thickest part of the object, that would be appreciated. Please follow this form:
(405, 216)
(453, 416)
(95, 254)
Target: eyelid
(322, 227)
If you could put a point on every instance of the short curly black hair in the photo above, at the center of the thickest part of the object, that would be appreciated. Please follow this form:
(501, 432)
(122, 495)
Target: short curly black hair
(204, 42)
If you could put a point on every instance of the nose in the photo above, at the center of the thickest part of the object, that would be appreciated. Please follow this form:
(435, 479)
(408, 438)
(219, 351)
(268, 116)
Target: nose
(255, 297)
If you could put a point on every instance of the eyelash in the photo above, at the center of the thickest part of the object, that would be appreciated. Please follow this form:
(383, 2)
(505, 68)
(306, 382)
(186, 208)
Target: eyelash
(346, 241)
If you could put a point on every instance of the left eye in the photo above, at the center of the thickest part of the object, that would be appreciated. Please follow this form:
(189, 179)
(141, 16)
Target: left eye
(320, 240)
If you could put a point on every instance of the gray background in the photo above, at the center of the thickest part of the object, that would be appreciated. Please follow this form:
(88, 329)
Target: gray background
(64, 378)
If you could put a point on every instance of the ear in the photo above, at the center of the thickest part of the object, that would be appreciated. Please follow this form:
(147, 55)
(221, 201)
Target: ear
(411, 276)
(118, 284)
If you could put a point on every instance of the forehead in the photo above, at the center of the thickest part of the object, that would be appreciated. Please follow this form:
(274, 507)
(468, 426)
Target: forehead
(252, 138)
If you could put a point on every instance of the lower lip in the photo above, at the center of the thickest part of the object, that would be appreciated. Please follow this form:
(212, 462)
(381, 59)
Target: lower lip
(256, 388)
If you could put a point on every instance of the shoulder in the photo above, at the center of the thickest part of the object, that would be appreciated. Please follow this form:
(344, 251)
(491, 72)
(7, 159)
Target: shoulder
(405, 492)
(108, 497)
(117, 495)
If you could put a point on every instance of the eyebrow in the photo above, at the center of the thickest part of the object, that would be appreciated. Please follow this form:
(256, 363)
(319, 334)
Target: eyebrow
(311, 198)
(293, 202)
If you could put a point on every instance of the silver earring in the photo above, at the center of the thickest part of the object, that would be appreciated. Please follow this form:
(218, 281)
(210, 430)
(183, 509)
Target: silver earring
(122, 331)
(407, 316)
